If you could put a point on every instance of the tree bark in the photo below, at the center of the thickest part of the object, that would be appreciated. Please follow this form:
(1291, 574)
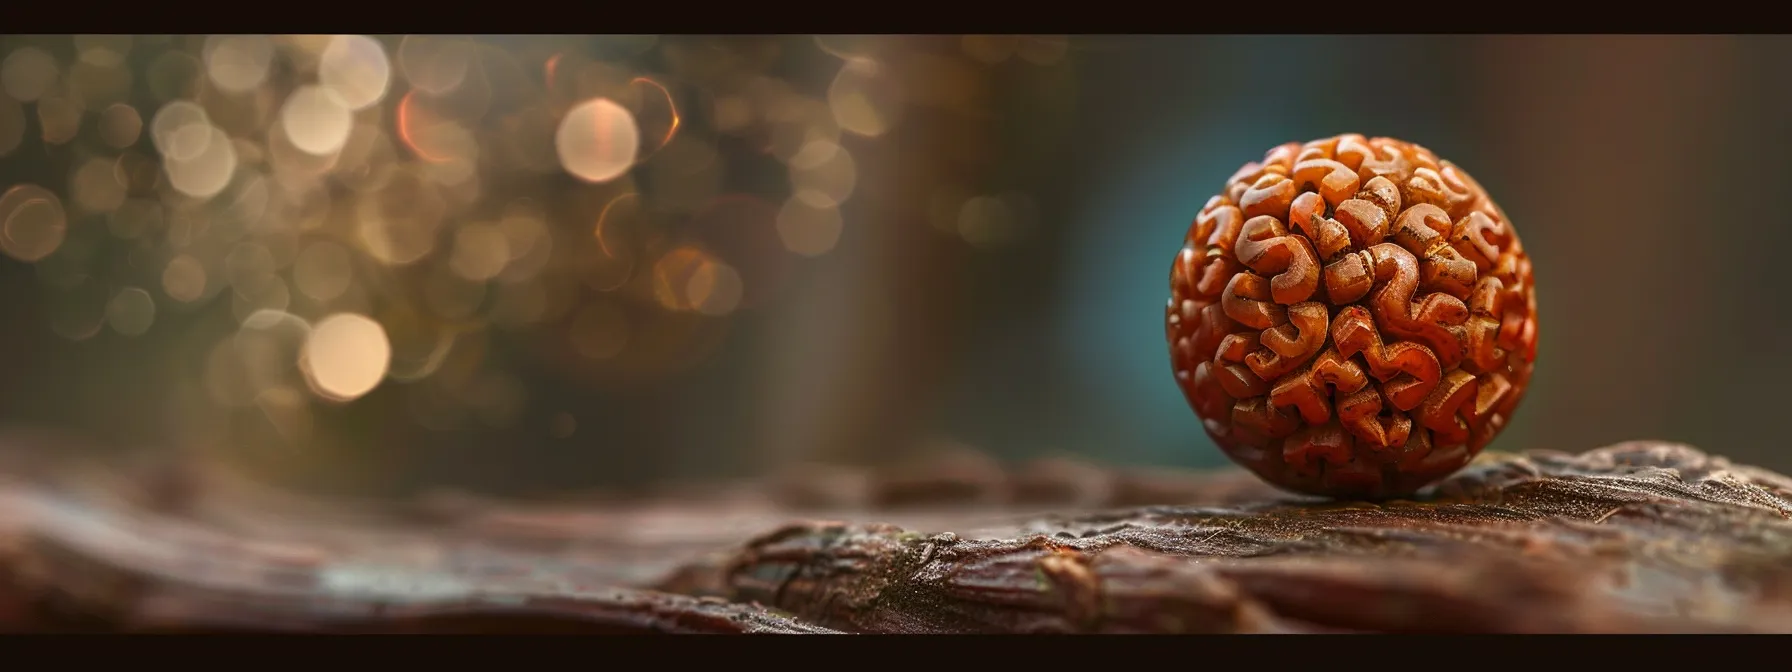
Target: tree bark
(1637, 537)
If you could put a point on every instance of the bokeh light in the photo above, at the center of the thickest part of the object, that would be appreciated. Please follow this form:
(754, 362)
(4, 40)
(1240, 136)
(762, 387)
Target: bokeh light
(715, 289)
(346, 356)
(480, 252)
(808, 229)
(180, 130)
(316, 121)
(690, 279)
(131, 312)
(27, 74)
(32, 222)
(613, 256)
(866, 97)
(354, 70)
(105, 51)
(797, 121)
(95, 187)
(434, 64)
(399, 224)
(823, 174)
(597, 140)
(300, 218)
(238, 63)
(209, 170)
(120, 126)
(184, 279)
(59, 118)
(657, 119)
(97, 79)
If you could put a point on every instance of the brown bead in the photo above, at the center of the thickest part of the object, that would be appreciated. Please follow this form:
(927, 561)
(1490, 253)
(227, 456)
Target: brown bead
(1352, 317)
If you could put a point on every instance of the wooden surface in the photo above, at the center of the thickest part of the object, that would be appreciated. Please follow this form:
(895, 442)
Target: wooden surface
(1638, 537)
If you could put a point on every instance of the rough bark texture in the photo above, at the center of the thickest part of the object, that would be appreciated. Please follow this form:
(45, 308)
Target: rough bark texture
(1638, 537)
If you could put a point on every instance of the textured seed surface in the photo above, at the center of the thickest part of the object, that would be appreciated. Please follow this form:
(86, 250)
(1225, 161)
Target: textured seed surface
(1352, 317)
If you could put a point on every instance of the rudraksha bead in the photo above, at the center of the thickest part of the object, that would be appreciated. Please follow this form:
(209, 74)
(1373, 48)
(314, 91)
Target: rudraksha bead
(1352, 317)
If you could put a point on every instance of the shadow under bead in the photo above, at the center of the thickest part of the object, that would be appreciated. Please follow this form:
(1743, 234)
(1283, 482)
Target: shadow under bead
(1352, 317)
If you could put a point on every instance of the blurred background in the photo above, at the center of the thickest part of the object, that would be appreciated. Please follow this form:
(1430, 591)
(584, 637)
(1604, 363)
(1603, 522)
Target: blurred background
(373, 264)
